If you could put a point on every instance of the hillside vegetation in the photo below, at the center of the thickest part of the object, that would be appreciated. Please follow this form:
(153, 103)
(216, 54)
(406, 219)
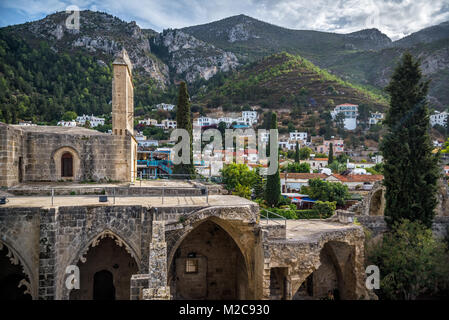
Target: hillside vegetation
(284, 80)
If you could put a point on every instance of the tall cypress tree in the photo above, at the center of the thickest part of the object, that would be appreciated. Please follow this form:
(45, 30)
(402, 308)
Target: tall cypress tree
(330, 157)
(259, 185)
(273, 188)
(410, 169)
(297, 152)
(184, 121)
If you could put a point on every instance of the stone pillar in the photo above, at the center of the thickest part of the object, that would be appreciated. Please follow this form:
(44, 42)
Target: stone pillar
(158, 288)
(156, 279)
(47, 254)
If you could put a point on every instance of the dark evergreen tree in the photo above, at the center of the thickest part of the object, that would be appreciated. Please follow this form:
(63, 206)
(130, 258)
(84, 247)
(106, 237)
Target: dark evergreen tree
(273, 188)
(410, 169)
(259, 185)
(184, 121)
(297, 152)
(330, 157)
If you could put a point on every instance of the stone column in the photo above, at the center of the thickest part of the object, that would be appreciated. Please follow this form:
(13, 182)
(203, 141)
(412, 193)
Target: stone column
(47, 254)
(157, 282)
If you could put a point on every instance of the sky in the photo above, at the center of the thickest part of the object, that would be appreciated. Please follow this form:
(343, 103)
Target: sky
(395, 18)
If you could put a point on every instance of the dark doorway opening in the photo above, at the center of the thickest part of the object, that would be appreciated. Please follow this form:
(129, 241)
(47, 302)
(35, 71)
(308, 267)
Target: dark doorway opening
(104, 286)
(20, 169)
(208, 265)
(11, 276)
(67, 165)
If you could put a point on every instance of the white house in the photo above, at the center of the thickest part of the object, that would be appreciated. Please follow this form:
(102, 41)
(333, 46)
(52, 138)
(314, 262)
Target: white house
(350, 112)
(27, 123)
(439, 118)
(295, 136)
(375, 118)
(67, 123)
(165, 106)
(169, 124)
(250, 117)
(94, 121)
(316, 163)
(148, 122)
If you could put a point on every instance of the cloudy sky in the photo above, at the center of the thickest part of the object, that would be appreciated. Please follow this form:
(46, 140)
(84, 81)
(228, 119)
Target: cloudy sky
(396, 18)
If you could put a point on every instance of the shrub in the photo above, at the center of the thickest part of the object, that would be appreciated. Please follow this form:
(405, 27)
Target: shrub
(412, 262)
(325, 209)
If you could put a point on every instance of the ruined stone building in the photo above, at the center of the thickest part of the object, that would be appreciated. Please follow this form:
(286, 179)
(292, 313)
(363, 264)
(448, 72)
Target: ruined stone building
(51, 153)
(142, 245)
(149, 247)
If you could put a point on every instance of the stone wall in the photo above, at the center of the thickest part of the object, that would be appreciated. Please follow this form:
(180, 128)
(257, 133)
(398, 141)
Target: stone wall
(20, 232)
(301, 259)
(11, 149)
(35, 154)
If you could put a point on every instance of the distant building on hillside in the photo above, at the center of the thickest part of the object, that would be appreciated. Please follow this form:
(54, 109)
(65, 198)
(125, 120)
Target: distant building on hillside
(94, 121)
(63, 123)
(439, 118)
(165, 106)
(375, 118)
(295, 136)
(350, 112)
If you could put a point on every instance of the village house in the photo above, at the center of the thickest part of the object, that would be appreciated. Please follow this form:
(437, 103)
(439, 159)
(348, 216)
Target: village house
(94, 121)
(148, 122)
(165, 106)
(70, 124)
(439, 118)
(295, 136)
(338, 146)
(316, 163)
(291, 182)
(375, 118)
(350, 112)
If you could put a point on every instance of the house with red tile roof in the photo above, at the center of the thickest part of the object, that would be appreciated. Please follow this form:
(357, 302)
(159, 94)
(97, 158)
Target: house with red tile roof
(294, 181)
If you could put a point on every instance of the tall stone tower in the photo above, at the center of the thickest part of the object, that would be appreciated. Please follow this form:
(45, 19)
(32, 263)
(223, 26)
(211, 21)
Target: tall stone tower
(123, 116)
(122, 96)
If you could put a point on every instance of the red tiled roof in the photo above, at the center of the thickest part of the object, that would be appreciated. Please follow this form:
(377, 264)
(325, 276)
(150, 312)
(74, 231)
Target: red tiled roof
(320, 159)
(359, 177)
(305, 176)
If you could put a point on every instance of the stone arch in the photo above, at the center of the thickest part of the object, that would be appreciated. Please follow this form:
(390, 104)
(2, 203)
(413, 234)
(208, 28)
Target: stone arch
(220, 222)
(94, 241)
(57, 162)
(374, 202)
(377, 203)
(335, 274)
(22, 270)
(208, 263)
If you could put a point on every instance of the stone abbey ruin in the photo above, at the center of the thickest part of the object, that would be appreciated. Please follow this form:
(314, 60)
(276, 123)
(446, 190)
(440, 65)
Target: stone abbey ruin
(144, 246)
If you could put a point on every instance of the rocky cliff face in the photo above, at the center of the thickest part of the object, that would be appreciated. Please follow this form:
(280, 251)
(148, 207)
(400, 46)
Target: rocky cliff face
(191, 58)
(373, 37)
(102, 35)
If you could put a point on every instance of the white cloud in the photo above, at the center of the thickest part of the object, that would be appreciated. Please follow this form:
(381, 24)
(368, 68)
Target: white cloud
(396, 18)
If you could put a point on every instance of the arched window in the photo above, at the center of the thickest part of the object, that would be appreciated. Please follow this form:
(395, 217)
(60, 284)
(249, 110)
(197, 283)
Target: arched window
(67, 165)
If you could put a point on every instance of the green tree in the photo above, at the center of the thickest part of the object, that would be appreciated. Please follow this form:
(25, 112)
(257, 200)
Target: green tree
(259, 185)
(273, 189)
(411, 261)
(327, 191)
(410, 169)
(69, 116)
(297, 152)
(297, 167)
(184, 121)
(235, 174)
(325, 208)
(330, 157)
(304, 153)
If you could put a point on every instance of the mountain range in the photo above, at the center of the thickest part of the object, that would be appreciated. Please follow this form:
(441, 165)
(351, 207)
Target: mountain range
(361, 61)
